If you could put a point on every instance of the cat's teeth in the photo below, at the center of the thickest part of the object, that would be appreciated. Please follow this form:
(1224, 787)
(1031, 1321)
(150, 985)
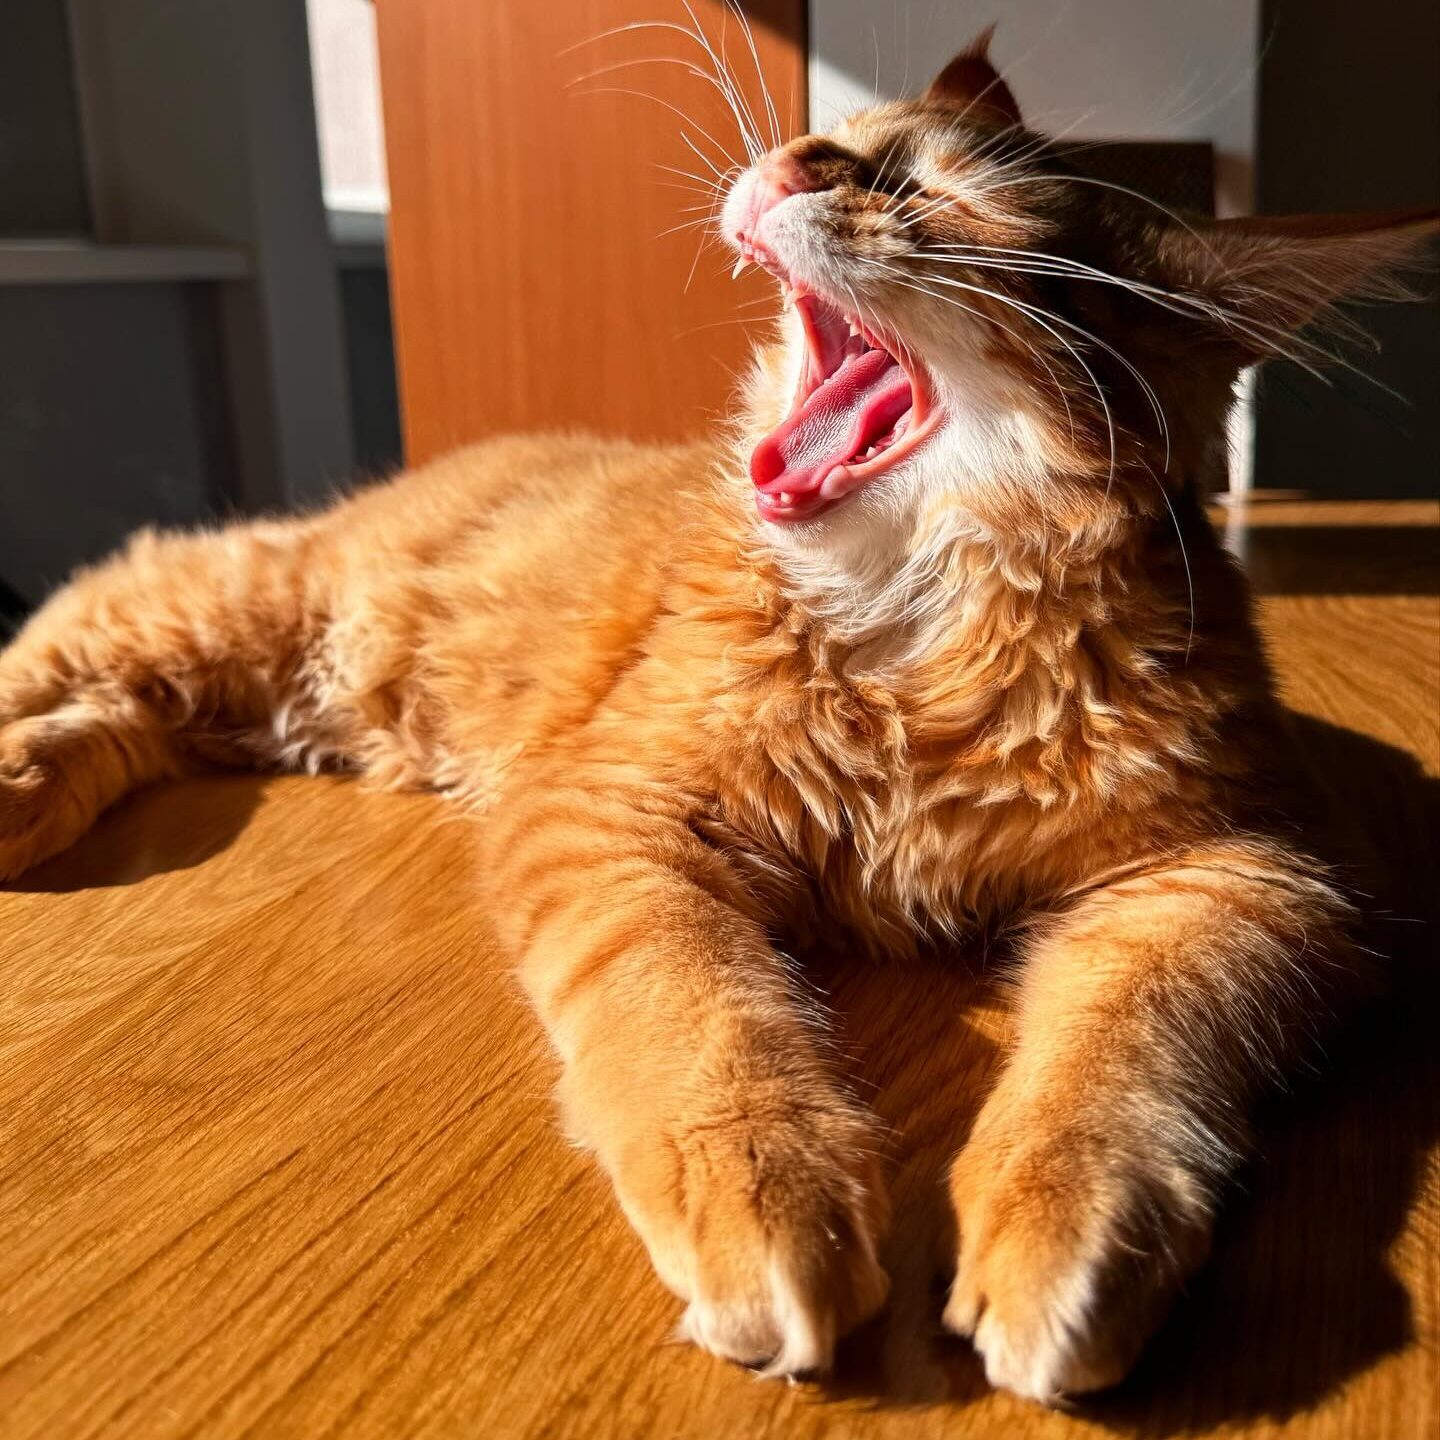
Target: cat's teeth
(739, 269)
(786, 498)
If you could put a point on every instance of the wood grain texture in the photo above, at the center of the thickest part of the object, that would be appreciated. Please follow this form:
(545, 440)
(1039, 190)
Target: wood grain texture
(277, 1153)
(530, 205)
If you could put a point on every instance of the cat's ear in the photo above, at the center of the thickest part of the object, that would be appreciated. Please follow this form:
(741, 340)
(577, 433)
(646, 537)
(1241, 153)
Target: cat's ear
(1265, 278)
(972, 84)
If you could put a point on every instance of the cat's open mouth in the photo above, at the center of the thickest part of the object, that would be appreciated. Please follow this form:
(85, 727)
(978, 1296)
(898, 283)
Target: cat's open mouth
(859, 409)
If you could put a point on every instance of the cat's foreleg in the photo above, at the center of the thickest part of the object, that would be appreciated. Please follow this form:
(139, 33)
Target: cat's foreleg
(1151, 1015)
(166, 655)
(692, 1068)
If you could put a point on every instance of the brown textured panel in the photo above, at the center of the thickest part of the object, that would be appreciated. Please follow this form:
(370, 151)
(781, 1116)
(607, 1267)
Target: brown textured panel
(278, 1156)
(533, 284)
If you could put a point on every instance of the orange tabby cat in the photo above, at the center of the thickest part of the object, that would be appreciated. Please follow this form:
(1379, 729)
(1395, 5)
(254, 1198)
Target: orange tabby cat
(943, 639)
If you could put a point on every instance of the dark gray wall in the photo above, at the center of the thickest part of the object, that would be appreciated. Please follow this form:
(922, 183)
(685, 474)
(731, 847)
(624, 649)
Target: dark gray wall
(111, 417)
(1349, 119)
(370, 365)
(42, 177)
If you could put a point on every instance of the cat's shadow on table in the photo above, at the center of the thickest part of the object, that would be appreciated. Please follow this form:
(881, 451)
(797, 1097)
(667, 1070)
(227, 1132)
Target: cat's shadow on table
(162, 828)
(1299, 1295)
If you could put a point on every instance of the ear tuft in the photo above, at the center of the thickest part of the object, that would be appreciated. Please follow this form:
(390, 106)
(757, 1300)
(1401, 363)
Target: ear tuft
(971, 84)
(1270, 277)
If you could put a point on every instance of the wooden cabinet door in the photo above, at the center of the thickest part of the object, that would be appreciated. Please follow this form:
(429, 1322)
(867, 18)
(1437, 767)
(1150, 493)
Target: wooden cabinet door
(533, 281)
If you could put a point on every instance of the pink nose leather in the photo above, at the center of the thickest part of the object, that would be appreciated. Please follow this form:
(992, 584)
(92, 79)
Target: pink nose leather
(779, 177)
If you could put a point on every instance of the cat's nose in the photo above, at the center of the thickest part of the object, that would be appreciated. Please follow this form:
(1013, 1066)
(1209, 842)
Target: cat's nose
(804, 166)
(777, 177)
(798, 169)
(810, 163)
(785, 173)
(813, 162)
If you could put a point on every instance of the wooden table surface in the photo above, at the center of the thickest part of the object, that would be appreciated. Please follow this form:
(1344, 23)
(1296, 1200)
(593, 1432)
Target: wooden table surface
(277, 1153)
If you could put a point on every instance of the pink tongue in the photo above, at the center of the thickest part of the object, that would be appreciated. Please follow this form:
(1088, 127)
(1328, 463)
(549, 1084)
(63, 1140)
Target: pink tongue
(855, 407)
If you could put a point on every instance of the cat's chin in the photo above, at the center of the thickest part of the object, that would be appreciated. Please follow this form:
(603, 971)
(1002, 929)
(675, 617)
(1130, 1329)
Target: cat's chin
(862, 407)
(859, 540)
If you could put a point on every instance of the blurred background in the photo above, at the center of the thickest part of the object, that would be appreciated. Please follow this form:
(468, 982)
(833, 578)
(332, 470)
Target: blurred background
(250, 249)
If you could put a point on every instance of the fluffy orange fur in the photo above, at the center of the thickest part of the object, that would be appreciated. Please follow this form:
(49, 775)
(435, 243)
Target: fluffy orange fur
(686, 747)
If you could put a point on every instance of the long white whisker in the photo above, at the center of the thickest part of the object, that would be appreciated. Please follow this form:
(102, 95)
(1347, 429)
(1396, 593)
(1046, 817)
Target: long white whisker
(1035, 312)
(889, 159)
(1174, 301)
(690, 274)
(744, 116)
(1060, 339)
(722, 176)
(1248, 72)
(1037, 143)
(1271, 338)
(688, 66)
(982, 263)
(1165, 210)
(1185, 560)
(730, 320)
(673, 109)
(1099, 395)
(902, 191)
(701, 223)
(898, 276)
(721, 80)
(776, 134)
(701, 182)
(723, 66)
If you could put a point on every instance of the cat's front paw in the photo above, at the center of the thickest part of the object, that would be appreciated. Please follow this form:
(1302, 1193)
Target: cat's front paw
(766, 1220)
(1071, 1253)
(33, 803)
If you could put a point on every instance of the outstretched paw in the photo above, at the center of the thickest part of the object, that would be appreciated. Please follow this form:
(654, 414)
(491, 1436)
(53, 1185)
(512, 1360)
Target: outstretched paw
(1070, 1256)
(41, 811)
(767, 1223)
